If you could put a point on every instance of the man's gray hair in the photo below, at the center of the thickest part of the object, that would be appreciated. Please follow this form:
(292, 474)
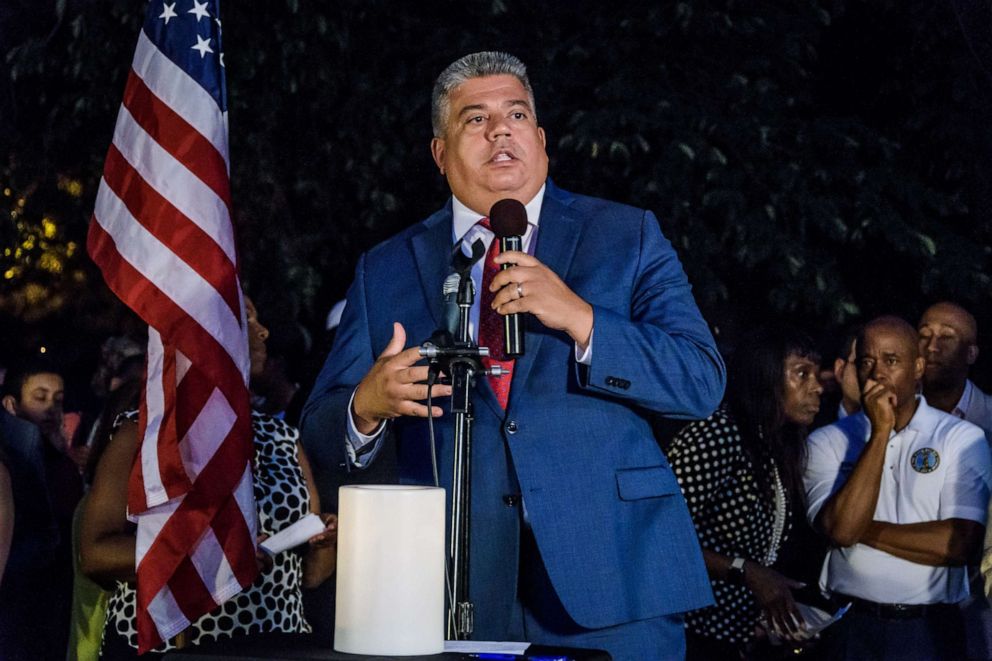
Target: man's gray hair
(474, 65)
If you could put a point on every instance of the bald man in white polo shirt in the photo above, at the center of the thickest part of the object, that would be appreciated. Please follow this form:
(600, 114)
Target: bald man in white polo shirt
(901, 491)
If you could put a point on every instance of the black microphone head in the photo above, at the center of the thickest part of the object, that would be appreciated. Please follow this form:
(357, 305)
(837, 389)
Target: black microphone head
(508, 218)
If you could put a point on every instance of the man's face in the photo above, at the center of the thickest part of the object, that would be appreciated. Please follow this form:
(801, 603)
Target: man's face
(41, 401)
(802, 389)
(890, 357)
(492, 147)
(846, 373)
(947, 342)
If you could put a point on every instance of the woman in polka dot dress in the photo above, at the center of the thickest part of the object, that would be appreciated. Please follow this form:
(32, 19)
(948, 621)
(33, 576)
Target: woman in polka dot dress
(271, 608)
(741, 473)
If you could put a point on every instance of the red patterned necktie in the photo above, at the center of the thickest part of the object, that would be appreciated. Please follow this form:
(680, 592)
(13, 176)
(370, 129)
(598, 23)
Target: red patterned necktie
(491, 325)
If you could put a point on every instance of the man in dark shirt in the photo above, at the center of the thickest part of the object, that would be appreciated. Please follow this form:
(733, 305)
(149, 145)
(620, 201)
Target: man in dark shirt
(47, 486)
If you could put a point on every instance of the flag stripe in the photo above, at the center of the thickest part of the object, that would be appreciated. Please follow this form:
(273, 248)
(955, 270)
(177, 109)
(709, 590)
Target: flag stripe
(146, 534)
(177, 137)
(143, 250)
(181, 235)
(173, 180)
(150, 302)
(186, 524)
(189, 591)
(163, 609)
(161, 466)
(230, 529)
(210, 562)
(196, 389)
(203, 439)
(180, 92)
(151, 478)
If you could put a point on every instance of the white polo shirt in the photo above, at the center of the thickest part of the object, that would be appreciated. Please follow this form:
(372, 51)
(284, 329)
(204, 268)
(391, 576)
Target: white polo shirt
(938, 467)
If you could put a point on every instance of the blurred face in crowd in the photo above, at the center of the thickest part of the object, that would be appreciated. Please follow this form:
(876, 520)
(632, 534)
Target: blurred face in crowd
(492, 146)
(257, 334)
(802, 389)
(846, 373)
(888, 354)
(40, 402)
(948, 336)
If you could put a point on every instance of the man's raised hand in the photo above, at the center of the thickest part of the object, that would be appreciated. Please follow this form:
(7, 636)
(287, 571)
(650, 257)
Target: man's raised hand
(394, 386)
(879, 403)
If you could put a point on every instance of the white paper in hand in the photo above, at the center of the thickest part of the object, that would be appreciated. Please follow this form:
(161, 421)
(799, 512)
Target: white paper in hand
(815, 620)
(293, 535)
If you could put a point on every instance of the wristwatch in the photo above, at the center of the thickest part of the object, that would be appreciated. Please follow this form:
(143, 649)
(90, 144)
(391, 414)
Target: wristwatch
(735, 573)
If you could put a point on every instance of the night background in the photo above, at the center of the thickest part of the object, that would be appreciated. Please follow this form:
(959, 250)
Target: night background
(813, 162)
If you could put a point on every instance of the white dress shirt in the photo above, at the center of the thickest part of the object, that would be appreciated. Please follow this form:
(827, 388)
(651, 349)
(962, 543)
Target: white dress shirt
(976, 407)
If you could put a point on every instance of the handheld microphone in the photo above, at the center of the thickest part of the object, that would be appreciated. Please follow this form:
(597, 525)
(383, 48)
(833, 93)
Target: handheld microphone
(508, 218)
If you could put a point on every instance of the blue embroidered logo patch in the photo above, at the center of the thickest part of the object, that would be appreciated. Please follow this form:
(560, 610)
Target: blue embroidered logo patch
(925, 460)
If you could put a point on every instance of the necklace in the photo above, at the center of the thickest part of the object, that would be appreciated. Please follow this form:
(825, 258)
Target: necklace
(778, 527)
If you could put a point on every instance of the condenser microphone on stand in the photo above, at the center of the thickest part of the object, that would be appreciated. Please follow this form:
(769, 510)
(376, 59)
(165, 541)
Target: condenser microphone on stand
(508, 219)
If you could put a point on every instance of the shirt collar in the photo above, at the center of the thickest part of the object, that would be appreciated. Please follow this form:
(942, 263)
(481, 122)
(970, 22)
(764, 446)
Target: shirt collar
(464, 219)
(961, 408)
(924, 419)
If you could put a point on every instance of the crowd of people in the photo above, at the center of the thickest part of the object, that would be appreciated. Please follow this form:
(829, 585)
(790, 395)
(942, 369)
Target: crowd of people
(792, 483)
(893, 493)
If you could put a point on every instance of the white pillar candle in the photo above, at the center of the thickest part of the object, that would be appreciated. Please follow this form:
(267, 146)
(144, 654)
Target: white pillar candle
(390, 571)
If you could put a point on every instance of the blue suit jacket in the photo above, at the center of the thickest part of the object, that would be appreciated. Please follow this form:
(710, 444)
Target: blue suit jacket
(605, 508)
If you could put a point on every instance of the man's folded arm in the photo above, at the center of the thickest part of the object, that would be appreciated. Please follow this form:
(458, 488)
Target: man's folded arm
(955, 539)
(950, 542)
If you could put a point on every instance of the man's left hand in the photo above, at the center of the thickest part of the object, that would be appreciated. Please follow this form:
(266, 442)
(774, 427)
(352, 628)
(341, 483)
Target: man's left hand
(530, 286)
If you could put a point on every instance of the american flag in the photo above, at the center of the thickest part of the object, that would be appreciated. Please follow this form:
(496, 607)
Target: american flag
(162, 236)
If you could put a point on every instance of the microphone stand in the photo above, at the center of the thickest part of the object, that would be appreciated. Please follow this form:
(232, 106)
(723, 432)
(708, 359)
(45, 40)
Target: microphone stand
(460, 359)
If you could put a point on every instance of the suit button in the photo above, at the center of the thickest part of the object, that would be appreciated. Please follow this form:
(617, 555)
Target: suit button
(511, 499)
(511, 427)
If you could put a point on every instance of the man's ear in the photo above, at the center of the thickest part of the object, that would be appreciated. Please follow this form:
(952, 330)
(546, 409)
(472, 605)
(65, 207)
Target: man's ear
(972, 354)
(437, 151)
(10, 404)
(839, 364)
(920, 367)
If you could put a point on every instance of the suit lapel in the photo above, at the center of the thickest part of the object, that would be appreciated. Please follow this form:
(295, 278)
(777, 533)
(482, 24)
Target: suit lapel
(557, 239)
(431, 248)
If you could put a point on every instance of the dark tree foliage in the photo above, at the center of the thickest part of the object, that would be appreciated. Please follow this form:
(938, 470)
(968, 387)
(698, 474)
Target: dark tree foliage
(816, 161)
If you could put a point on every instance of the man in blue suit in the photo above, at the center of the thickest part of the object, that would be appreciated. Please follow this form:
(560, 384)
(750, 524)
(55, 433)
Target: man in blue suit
(580, 535)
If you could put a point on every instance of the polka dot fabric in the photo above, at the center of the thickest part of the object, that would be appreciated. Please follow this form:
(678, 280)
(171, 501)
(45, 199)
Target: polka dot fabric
(732, 513)
(273, 602)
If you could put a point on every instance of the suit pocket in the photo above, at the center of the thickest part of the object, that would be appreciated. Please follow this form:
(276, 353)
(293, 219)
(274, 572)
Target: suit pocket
(646, 482)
